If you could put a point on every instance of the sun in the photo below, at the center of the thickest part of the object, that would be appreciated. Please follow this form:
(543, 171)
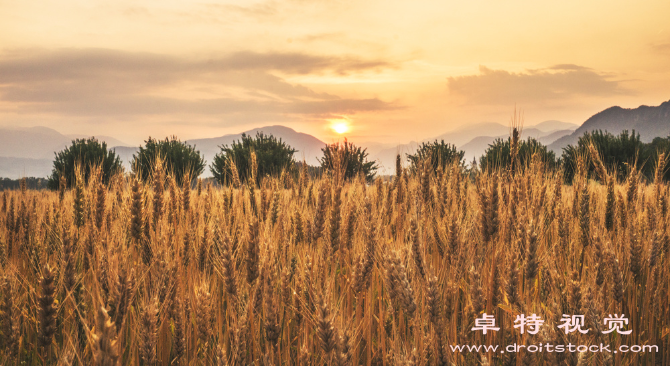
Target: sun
(340, 126)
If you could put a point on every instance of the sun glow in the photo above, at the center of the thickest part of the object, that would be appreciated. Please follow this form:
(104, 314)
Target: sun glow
(340, 126)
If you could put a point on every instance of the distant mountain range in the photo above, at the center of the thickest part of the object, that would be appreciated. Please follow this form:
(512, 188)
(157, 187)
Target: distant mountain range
(39, 142)
(30, 151)
(476, 138)
(649, 122)
(308, 146)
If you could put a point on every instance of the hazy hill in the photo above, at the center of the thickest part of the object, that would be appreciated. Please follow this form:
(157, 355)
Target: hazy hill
(464, 135)
(386, 157)
(31, 142)
(550, 138)
(39, 142)
(307, 145)
(477, 146)
(111, 141)
(649, 122)
(29, 151)
(475, 139)
(125, 153)
(14, 168)
(553, 125)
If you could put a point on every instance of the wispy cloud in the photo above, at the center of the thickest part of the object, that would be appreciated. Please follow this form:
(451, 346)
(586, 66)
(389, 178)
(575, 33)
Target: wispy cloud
(101, 82)
(545, 85)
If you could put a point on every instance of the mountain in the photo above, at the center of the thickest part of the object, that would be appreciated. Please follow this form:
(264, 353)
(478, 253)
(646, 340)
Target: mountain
(110, 141)
(477, 146)
(386, 157)
(550, 138)
(553, 125)
(125, 153)
(308, 146)
(39, 142)
(31, 142)
(475, 139)
(14, 168)
(30, 151)
(649, 122)
(464, 135)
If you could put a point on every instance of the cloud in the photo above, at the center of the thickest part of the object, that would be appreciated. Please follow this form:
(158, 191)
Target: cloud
(559, 82)
(661, 47)
(342, 106)
(256, 11)
(66, 63)
(298, 63)
(101, 82)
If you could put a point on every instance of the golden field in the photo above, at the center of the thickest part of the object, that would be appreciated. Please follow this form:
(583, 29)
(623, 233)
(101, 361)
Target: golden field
(322, 271)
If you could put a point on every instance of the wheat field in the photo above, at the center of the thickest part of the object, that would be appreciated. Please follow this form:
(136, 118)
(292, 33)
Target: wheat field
(323, 271)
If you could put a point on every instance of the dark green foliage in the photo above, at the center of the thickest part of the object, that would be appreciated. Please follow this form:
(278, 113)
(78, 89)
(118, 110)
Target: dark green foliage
(31, 183)
(618, 153)
(86, 153)
(354, 160)
(439, 153)
(179, 157)
(272, 156)
(498, 154)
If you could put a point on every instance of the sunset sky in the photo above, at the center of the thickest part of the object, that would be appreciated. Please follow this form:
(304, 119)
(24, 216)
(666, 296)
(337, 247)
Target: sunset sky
(390, 71)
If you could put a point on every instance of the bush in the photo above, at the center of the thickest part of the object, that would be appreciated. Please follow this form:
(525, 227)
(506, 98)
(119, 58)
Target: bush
(439, 153)
(85, 153)
(179, 159)
(353, 158)
(272, 156)
(498, 154)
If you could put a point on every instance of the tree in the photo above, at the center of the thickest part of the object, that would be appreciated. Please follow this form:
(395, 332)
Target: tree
(498, 154)
(617, 152)
(179, 158)
(352, 160)
(86, 154)
(272, 156)
(439, 153)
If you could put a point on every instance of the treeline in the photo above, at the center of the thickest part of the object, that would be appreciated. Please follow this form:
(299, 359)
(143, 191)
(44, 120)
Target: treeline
(23, 183)
(264, 155)
(620, 154)
(267, 155)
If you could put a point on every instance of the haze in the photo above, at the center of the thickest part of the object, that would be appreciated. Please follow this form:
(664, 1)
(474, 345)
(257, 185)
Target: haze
(393, 70)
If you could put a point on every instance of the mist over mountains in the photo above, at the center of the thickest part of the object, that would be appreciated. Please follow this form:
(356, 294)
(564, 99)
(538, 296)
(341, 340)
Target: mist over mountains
(475, 139)
(308, 146)
(30, 151)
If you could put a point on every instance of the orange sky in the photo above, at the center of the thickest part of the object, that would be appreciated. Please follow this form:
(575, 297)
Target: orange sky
(393, 70)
